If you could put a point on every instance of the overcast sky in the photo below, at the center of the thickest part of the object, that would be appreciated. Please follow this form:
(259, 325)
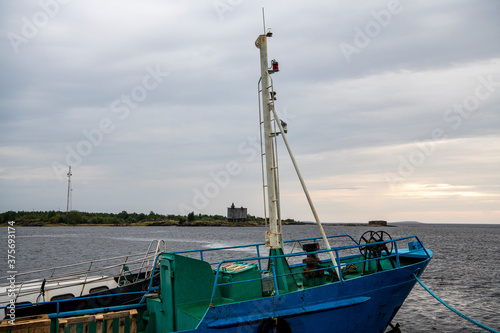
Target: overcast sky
(393, 107)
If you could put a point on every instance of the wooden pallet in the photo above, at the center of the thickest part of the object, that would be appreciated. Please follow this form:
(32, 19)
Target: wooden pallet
(110, 322)
(35, 324)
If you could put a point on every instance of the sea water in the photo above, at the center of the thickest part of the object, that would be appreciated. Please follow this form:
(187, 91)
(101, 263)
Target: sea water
(465, 270)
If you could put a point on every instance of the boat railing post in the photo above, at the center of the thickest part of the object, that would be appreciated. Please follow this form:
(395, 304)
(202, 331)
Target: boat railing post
(216, 283)
(160, 248)
(147, 257)
(338, 268)
(152, 276)
(423, 247)
(398, 265)
(85, 279)
(122, 270)
(19, 291)
(275, 280)
(258, 256)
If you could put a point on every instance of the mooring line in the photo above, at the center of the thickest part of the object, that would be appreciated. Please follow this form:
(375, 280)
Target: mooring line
(455, 310)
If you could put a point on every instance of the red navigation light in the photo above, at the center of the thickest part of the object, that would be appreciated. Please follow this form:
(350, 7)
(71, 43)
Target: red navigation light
(275, 66)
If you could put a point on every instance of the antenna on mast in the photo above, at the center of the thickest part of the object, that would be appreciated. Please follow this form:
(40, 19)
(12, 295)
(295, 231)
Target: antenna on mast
(68, 201)
(264, 20)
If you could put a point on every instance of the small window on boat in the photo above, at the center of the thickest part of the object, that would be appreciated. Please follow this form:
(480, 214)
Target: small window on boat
(61, 297)
(98, 289)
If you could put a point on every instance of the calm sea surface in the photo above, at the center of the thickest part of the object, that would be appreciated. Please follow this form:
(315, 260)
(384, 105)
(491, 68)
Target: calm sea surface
(465, 270)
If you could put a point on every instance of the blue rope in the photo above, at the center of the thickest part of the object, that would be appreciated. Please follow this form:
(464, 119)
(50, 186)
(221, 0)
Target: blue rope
(455, 310)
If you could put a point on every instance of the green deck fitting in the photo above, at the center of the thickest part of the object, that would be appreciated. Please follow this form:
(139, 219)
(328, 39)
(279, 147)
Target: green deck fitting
(185, 282)
(244, 279)
(284, 277)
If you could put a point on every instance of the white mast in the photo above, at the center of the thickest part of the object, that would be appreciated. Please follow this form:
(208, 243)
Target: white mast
(268, 108)
(68, 206)
(274, 237)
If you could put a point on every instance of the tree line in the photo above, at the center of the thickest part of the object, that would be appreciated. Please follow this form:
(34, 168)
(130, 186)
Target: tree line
(76, 217)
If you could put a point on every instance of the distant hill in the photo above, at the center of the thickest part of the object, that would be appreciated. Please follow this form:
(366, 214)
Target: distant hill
(407, 222)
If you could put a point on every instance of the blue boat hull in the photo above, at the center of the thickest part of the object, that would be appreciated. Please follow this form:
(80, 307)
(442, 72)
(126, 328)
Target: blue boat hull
(365, 304)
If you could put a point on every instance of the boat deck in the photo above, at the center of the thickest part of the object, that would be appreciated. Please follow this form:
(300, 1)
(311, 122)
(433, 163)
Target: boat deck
(251, 278)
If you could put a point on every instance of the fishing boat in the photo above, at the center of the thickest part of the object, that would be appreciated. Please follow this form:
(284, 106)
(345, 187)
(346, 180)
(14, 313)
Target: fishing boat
(322, 284)
(84, 285)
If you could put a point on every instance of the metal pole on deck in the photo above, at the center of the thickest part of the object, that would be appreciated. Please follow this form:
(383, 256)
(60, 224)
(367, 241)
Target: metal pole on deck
(304, 187)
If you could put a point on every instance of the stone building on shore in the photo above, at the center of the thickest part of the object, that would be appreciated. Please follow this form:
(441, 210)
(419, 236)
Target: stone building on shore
(378, 223)
(236, 214)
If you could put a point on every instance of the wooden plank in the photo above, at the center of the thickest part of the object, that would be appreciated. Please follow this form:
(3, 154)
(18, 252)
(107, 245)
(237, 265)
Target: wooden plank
(116, 314)
(42, 329)
(121, 325)
(63, 323)
(25, 324)
(133, 321)
(109, 326)
(20, 320)
(24, 320)
(80, 319)
(98, 323)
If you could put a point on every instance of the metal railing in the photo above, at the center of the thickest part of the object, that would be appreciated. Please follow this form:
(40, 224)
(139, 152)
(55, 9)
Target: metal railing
(121, 269)
(337, 251)
(257, 247)
(152, 258)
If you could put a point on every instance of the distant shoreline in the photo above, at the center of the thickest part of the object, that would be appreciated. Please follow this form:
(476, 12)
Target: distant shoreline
(197, 224)
(124, 218)
(359, 225)
(152, 224)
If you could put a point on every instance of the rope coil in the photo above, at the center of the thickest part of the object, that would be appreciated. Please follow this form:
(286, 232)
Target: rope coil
(484, 327)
